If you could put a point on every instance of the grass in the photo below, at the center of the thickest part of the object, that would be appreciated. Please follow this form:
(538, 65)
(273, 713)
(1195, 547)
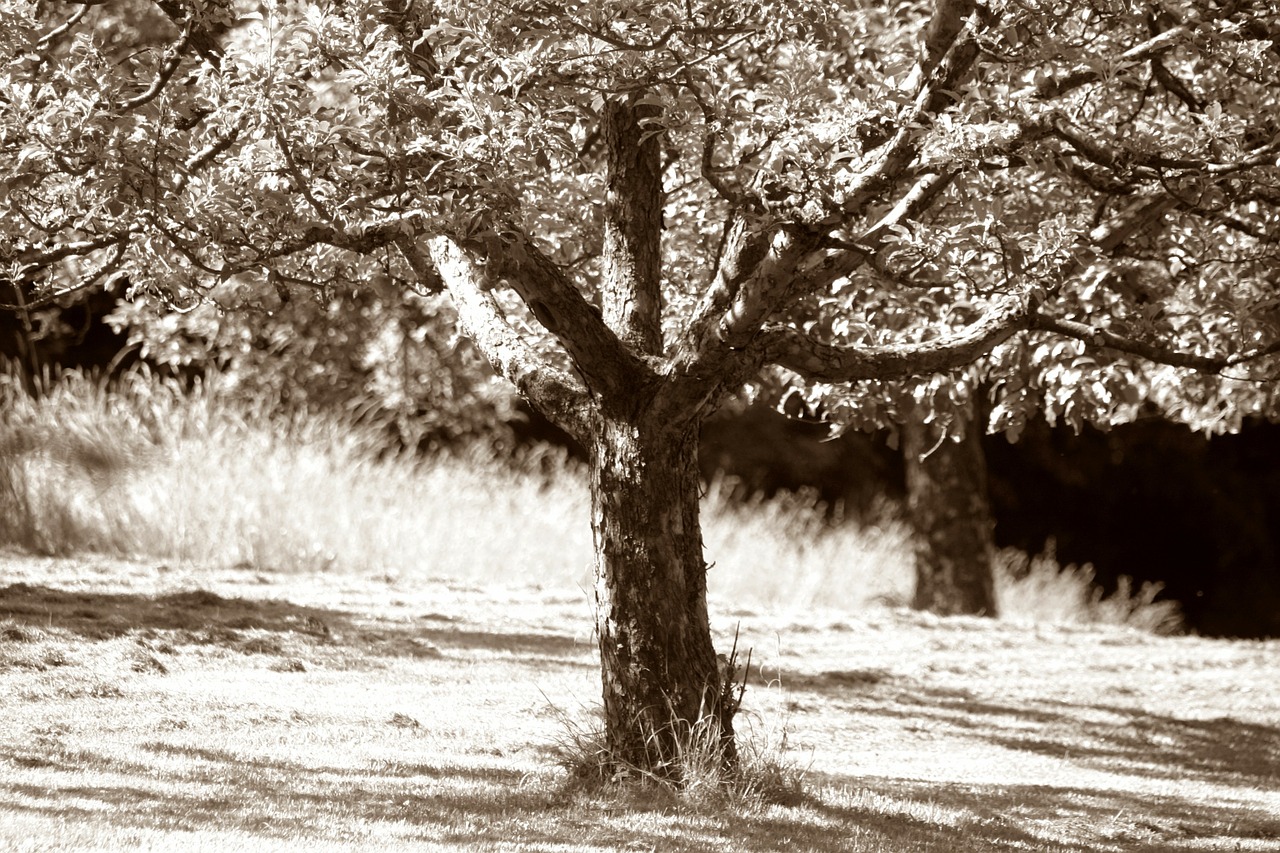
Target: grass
(149, 707)
(761, 775)
(205, 478)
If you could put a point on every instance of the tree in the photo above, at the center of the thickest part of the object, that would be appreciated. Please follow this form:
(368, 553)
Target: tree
(949, 509)
(637, 206)
(366, 349)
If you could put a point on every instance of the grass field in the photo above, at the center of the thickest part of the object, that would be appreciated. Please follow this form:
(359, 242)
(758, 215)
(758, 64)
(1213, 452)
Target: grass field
(149, 706)
(224, 631)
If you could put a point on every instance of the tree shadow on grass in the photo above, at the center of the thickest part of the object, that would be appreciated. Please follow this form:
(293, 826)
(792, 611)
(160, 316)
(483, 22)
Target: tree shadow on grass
(1066, 817)
(1208, 759)
(218, 790)
(204, 788)
(203, 617)
(1103, 736)
(452, 805)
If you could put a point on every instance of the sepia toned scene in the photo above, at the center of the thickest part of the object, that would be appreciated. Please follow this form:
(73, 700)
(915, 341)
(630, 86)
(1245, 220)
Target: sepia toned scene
(640, 425)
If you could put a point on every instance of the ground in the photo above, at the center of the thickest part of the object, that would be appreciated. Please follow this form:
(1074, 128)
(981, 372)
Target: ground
(145, 706)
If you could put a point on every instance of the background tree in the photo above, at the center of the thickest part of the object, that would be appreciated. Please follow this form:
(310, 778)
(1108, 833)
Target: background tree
(369, 350)
(636, 207)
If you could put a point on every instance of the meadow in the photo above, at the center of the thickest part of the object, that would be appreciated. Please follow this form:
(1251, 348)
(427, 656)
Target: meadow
(221, 630)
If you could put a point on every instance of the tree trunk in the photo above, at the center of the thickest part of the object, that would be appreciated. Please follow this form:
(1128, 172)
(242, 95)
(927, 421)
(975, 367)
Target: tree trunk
(950, 511)
(660, 671)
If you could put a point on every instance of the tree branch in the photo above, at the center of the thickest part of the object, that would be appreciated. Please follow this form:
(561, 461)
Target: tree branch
(746, 243)
(47, 40)
(173, 56)
(110, 265)
(756, 277)
(556, 394)
(300, 180)
(205, 156)
(34, 259)
(204, 41)
(1149, 166)
(865, 249)
(944, 76)
(1053, 87)
(1105, 339)
(606, 363)
(820, 362)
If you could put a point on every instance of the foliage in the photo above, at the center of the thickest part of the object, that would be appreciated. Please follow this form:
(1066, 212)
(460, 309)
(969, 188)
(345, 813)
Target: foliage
(364, 350)
(1113, 163)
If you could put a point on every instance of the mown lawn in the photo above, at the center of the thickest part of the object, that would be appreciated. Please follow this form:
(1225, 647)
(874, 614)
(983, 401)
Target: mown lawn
(156, 707)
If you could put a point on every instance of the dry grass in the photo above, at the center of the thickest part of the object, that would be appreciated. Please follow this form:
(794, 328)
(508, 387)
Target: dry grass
(209, 479)
(1037, 590)
(157, 707)
(206, 479)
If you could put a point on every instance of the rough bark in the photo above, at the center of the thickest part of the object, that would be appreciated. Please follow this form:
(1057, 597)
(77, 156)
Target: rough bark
(660, 671)
(950, 511)
(632, 297)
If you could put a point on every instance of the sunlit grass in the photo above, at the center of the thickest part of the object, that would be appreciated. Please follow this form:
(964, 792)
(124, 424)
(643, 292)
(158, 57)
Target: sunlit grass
(206, 478)
(284, 711)
(1036, 589)
(202, 477)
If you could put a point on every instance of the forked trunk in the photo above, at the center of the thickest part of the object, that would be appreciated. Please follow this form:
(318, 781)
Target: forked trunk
(951, 514)
(660, 670)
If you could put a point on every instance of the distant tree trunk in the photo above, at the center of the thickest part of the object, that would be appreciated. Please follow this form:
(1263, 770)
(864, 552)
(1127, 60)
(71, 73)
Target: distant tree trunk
(18, 342)
(659, 669)
(950, 511)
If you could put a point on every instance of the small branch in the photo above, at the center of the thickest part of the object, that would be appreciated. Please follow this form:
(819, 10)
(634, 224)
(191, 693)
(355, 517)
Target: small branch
(1166, 78)
(1174, 86)
(865, 249)
(822, 362)
(204, 41)
(1105, 339)
(731, 194)
(47, 40)
(172, 59)
(109, 266)
(204, 157)
(943, 77)
(1150, 166)
(300, 180)
(1054, 87)
(33, 259)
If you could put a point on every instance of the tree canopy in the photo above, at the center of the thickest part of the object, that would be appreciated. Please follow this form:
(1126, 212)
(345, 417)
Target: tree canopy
(1057, 184)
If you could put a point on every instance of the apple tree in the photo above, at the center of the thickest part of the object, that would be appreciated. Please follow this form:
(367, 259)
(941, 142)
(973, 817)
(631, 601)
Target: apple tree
(636, 207)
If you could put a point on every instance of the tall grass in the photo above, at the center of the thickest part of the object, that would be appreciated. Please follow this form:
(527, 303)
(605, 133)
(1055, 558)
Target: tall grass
(206, 478)
(1037, 589)
(203, 477)
(789, 552)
